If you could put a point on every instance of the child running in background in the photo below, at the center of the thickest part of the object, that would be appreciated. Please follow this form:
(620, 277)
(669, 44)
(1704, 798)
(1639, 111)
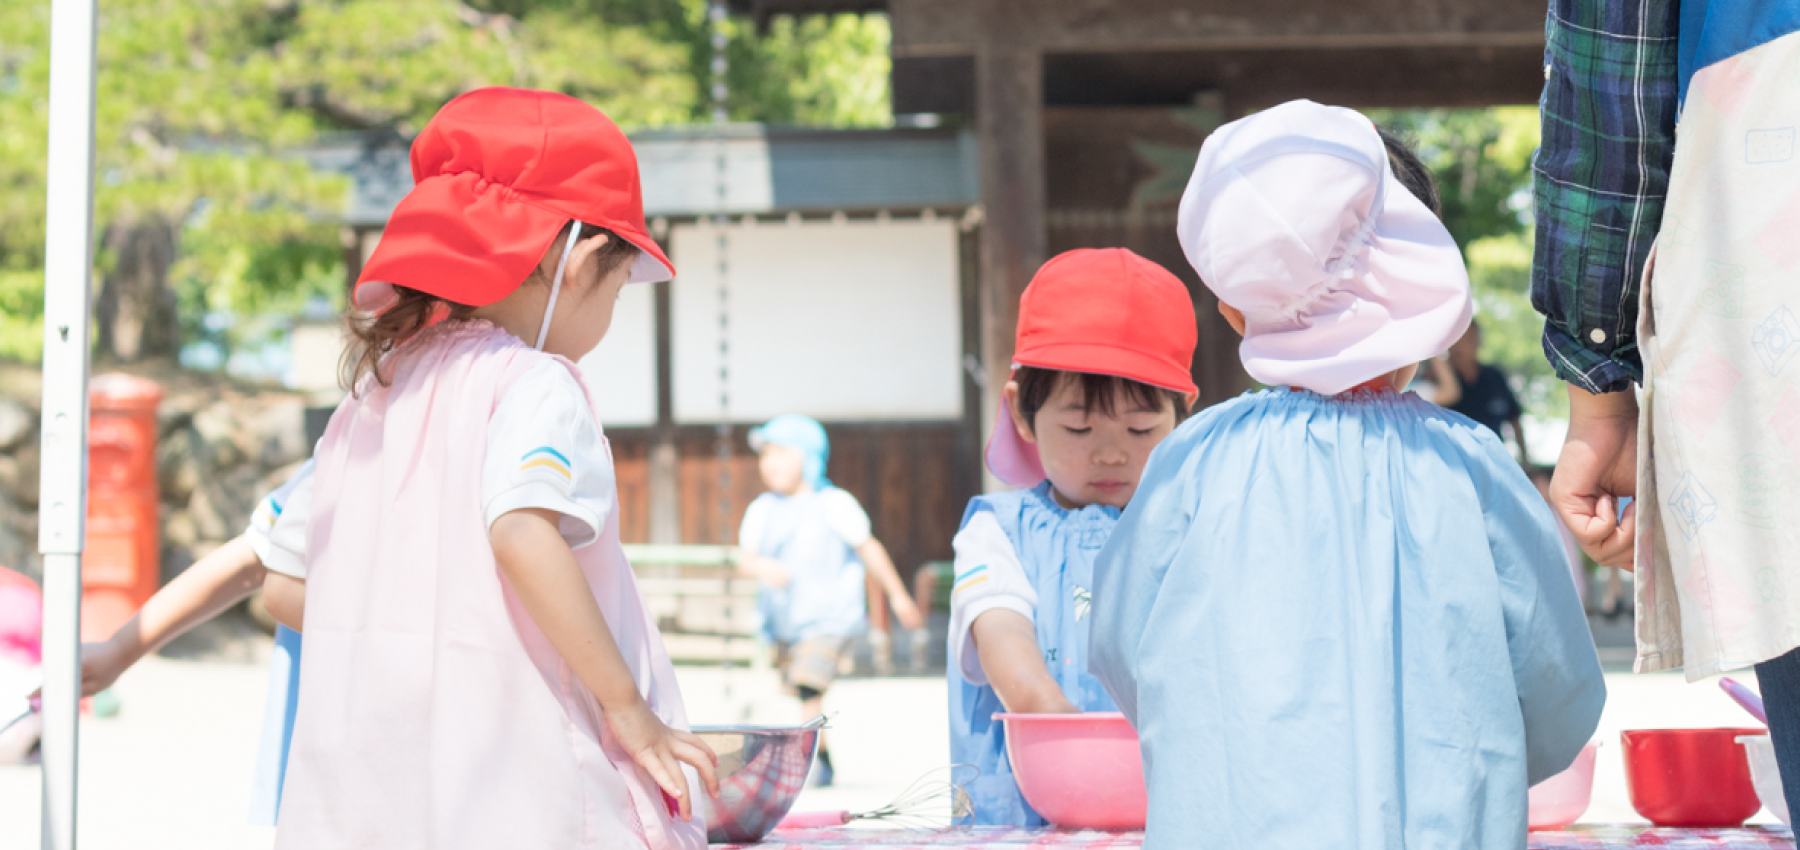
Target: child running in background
(1338, 615)
(1100, 376)
(808, 543)
(480, 670)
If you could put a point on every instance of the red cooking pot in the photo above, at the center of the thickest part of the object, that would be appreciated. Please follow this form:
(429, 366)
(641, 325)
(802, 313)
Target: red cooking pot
(1689, 777)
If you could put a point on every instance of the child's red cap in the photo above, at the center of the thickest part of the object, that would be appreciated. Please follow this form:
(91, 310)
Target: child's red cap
(498, 173)
(1103, 311)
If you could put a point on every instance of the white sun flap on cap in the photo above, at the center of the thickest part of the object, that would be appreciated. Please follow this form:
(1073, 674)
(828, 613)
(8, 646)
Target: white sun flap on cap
(647, 269)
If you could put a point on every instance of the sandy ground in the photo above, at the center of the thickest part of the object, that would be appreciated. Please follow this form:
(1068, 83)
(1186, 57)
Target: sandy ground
(172, 769)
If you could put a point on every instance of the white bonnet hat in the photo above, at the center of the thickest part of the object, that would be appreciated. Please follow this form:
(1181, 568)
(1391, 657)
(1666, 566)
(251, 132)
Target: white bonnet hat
(1294, 217)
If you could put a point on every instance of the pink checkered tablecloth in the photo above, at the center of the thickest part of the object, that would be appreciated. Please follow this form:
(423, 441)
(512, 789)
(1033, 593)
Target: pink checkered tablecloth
(981, 838)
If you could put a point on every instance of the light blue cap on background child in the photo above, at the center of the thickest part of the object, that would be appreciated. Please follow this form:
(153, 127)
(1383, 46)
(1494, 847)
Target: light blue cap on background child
(803, 433)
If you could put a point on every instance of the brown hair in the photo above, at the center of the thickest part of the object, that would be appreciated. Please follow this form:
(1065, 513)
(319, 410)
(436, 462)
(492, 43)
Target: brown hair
(374, 335)
(1412, 171)
(1099, 393)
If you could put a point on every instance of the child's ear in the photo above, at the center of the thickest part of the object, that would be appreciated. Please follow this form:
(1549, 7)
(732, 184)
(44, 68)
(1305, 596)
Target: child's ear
(587, 247)
(1233, 316)
(1019, 422)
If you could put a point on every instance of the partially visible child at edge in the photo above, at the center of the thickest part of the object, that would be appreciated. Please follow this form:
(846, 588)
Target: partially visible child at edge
(222, 578)
(808, 543)
(1335, 612)
(1100, 376)
(480, 670)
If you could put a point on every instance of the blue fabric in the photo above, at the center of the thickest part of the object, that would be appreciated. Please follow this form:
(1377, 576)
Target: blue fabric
(1346, 619)
(826, 595)
(798, 432)
(1779, 678)
(1057, 548)
(1716, 30)
(277, 729)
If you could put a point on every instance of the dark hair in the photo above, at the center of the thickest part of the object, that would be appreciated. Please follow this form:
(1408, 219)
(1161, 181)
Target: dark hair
(1100, 393)
(1412, 171)
(374, 335)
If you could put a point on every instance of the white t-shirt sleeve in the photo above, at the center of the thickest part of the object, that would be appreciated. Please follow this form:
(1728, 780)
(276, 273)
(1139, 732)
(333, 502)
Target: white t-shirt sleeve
(277, 531)
(545, 451)
(751, 530)
(988, 577)
(846, 517)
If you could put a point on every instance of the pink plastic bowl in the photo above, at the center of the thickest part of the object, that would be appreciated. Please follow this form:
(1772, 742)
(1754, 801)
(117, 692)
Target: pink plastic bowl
(1079, 770)
(1562, 799)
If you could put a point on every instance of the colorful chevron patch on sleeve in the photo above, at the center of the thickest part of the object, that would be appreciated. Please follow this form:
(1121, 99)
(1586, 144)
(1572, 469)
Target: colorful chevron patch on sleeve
(267, 511)
(969, 579)
(544, 457)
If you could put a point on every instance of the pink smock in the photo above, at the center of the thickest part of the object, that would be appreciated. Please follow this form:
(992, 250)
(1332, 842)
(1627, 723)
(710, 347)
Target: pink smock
(434, 714)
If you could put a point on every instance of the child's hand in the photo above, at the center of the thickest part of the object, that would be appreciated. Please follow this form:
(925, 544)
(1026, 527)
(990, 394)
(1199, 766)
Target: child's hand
(769, 571)
(660, 751)
(101, 665)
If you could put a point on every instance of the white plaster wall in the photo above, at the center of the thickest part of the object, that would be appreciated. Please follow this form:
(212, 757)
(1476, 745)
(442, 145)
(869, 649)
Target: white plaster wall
(621, 370)
(837, 320)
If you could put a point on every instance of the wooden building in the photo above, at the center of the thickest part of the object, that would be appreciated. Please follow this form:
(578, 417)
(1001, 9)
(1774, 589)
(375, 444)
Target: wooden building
(843, 287)
(1081, 121)
(1089, 113)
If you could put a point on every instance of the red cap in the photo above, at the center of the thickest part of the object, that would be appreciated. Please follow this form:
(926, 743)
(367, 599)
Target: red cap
(1103, 311)
(498, 174)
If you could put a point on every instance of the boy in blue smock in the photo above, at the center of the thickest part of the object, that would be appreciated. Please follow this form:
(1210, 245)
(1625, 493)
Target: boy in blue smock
(1337, 614)
(1101, 374)
(808, 542)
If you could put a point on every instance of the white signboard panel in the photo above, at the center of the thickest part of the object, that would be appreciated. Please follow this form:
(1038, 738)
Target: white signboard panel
(621, 370)
(854, 320)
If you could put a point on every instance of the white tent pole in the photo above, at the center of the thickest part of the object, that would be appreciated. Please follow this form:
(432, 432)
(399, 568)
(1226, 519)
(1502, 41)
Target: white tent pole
(68, 271)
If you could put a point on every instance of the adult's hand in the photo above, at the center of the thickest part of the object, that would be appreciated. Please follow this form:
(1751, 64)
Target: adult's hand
(1598, 466)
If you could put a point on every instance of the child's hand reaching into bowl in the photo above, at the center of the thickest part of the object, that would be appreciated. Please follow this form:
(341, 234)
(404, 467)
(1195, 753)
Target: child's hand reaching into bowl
(661, 750)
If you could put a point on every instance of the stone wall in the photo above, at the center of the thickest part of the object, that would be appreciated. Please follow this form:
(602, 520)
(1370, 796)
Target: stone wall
(222, 444)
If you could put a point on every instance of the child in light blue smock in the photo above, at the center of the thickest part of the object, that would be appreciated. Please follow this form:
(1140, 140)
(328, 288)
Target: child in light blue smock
(1338, 615)
(1101, 375)
(808, 542)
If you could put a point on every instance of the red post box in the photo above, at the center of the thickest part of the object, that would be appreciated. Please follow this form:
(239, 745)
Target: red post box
(122, 563)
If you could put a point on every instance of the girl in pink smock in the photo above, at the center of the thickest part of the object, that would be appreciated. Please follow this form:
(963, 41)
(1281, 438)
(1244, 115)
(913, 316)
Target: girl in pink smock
(480, 669)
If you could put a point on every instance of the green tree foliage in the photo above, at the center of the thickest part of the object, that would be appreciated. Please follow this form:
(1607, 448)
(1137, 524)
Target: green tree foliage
(829, 71)
(1482, 161)
(204, 104)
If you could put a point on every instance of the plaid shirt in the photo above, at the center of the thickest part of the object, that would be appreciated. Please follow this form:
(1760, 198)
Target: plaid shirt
(1609, 107)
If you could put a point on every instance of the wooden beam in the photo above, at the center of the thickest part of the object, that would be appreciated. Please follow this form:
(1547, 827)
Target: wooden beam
(665, 455)
(925, 27)
(1010, 124)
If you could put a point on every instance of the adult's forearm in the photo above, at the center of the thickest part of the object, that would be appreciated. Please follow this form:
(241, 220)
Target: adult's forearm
(1600, 176)
(1585, 406)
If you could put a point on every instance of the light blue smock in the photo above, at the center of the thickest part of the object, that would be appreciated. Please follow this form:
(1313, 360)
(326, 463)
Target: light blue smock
(826, 594)
(1057, 548)
(277, 728)
(1343, 622)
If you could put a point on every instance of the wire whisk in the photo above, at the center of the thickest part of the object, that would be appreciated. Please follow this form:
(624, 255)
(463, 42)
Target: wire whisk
(935, 800)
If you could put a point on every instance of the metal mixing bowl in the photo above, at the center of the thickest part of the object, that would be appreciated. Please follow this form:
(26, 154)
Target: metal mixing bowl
(762, 770)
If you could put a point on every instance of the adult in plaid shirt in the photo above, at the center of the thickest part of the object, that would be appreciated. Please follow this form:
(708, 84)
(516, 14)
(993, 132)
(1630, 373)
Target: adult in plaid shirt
(1700, 323)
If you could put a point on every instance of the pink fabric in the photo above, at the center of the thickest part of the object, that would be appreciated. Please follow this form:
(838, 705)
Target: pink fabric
(434, 715)
(1009, 457)
(21, 618)
(1294, 216)
(1009, 838)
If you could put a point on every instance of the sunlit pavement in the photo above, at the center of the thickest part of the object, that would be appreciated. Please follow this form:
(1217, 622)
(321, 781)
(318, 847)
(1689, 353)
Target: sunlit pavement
(172, 770)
